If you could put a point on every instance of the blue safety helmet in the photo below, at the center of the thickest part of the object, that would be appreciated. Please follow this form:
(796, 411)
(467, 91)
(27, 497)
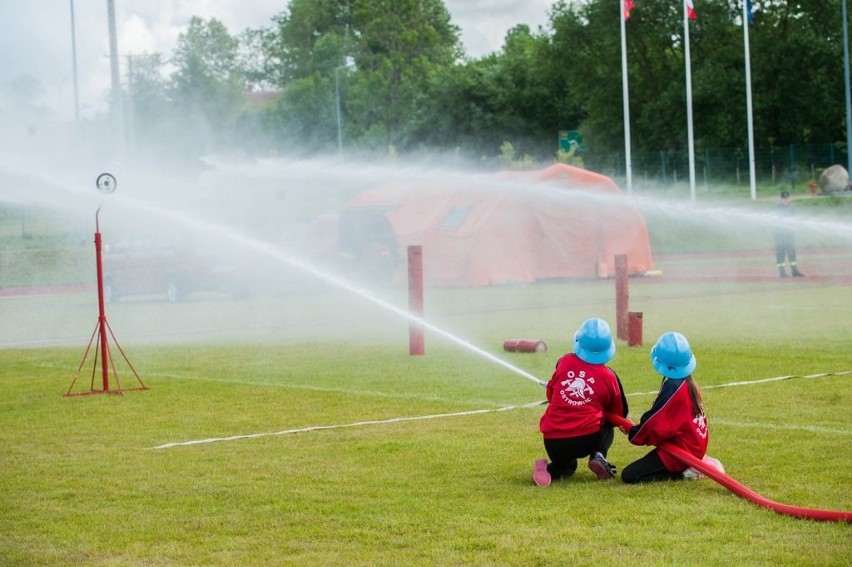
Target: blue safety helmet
(672, 357)
(593, 342)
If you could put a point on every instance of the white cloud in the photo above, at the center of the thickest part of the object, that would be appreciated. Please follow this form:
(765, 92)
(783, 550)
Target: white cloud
(484, 23)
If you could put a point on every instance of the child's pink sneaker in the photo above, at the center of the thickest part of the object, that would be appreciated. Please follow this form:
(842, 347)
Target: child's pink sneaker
(540, 474)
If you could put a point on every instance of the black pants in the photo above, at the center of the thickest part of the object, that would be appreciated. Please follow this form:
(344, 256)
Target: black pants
(648, 469)
(564, 453)
(785, 248)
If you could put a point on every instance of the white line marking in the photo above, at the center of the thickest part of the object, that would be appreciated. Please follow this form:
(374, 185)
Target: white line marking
(292, 386)
(751, 382)
(508, 408)
(311, 387)
(780, 427)
(343, 425)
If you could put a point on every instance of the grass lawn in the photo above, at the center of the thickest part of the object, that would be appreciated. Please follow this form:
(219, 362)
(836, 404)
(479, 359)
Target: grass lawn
(83, 481)
(292, 427)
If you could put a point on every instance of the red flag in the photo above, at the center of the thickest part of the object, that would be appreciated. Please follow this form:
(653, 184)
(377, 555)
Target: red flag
(628, 5)
(690, 10)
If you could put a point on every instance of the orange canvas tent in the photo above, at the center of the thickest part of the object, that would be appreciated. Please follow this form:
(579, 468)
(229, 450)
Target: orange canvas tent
(515, 227)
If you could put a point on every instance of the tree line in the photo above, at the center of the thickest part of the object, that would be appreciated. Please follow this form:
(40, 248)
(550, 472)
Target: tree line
(379, 76)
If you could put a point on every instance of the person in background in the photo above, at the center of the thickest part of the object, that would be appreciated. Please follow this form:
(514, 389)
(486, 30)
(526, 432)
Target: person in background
(785, 240)
(581, 389)
(676, 417)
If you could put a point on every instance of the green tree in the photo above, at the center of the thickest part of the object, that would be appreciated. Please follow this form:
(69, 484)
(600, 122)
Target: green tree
(795, 54)
(515, 96)
(535, 99)
(380, 55)
(255, 59)
(290, 45)
(459, 110)
(586, 46)
(401, 45)
(150, 112)
(207, 89)
(797, 70)
(306, 113)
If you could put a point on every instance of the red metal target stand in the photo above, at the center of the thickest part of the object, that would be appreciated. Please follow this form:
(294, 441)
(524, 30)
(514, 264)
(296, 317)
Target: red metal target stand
(102, 350)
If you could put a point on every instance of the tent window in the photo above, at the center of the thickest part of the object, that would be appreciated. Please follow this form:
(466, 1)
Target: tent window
(456, 217)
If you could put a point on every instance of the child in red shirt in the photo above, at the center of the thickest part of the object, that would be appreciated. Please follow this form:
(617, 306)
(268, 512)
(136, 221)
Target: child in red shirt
(580, 391)
(676, 416)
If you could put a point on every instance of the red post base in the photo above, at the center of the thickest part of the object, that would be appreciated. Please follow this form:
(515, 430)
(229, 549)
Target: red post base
(634, 325)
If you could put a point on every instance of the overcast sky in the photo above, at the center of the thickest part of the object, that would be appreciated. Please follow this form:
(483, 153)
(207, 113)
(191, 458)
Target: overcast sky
(36, 36)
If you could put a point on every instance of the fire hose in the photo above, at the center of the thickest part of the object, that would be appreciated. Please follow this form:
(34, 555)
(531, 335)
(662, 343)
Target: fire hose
(736, 487)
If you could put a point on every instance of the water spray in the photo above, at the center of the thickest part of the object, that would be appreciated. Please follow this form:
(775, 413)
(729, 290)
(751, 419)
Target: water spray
(736, 487)
(274, 252)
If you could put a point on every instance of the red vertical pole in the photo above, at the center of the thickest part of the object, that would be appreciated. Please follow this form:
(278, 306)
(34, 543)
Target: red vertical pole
(635, 328)
(621, 297)
(102, 327)
(416, 345)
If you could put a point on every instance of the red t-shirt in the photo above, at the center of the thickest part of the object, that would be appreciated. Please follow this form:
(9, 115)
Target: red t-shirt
(579, 393)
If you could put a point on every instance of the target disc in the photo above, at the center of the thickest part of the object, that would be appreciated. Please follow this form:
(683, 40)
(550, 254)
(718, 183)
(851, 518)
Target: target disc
(106, 183)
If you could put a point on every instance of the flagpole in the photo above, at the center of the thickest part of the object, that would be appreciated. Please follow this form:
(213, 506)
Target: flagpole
(846, 88)
(689, 102)
(749, 109)
(628, 162)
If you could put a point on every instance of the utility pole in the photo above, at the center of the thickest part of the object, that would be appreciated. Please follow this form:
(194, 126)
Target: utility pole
(339, 121)
(116, 107)
(74, 61)
(846, 88)
(130, 114)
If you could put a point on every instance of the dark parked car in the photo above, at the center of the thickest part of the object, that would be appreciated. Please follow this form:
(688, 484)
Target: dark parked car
(150, 268)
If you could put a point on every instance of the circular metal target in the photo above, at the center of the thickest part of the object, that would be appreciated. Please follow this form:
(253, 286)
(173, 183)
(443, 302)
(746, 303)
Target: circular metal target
(106, 183)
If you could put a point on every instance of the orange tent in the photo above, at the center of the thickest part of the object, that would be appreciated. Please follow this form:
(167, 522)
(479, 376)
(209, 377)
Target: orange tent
(516, 227)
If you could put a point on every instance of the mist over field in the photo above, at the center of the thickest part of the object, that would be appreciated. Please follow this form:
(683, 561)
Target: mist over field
(231, 187)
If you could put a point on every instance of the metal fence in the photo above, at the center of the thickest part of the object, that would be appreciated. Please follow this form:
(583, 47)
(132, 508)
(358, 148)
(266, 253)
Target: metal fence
(793, 165)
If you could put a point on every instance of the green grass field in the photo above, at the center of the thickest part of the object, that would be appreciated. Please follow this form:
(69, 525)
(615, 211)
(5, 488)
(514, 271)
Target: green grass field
(293, 427)
(82, 481)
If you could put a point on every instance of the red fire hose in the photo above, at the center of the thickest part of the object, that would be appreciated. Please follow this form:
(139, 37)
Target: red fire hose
(736, 487)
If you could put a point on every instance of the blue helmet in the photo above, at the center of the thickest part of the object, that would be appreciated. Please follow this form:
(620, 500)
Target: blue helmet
(672, 357)
(593, 342)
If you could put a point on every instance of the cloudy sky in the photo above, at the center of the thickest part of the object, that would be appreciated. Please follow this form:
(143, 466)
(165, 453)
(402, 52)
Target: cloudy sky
(36, 37)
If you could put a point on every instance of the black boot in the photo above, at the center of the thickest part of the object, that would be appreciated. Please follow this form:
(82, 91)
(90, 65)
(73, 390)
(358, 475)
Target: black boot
(797, 273)
(782, 271)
